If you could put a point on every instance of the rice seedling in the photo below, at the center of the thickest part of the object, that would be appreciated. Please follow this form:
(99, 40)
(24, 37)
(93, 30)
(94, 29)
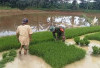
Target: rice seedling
(57, 54)
(10, 42)
(86, 41)
(96, 50)
(95, 36)
(7, 57)
(82, 42)
(77, 40)
(74, 32)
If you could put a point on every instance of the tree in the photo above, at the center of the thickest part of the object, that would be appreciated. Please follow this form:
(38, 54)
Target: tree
(97, 4)
(13, 3)
(22, 4)
(4, 2)
(75, 5)
(83, 4)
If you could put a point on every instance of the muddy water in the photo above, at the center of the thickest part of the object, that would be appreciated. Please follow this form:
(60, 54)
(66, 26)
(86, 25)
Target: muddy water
(39, 21)
(30, 61)
(89, 61)
(26, 61)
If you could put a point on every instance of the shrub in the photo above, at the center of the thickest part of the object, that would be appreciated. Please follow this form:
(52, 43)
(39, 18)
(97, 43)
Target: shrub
(57, 54)
(77, 40)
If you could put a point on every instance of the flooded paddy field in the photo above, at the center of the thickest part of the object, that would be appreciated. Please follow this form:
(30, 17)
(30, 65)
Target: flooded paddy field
(90, 61)
(40, 20)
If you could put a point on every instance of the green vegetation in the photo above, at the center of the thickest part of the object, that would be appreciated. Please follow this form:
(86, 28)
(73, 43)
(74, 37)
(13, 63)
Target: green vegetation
(73, 32)
(54, 4)
(82, 42)
(95, 36)
(86, 41)
(5, 7)
(57, 54)
(96, 50)
(7, 57)
(10, 42)
(42, 45)
(42, 37)
(77, 40)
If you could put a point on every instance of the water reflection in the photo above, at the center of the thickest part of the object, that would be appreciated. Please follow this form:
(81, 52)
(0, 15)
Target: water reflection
(39, 22)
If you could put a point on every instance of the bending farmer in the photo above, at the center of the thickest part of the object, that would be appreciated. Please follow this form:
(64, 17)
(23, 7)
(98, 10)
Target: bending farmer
(23, 34)
(59, 31)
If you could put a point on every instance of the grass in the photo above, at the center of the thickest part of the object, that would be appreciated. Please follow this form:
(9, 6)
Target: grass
(95, 36)
(92, 11)
(7, 57)
(6, 8)
(57, 54)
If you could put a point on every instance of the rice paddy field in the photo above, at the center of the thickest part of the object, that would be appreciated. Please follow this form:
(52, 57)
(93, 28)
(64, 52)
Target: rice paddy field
(57, 54)
(44, 46)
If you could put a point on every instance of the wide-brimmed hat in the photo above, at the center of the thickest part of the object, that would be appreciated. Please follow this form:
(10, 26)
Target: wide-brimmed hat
(52, 28)
(24, 21)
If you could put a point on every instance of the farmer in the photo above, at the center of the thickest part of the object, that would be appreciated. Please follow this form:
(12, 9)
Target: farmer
(59, 31)
(23, 34)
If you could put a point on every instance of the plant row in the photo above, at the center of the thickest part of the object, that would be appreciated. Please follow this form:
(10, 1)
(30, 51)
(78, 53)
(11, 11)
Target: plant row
(9, 42)
(57, 54)
(95, 36)
(74, 32)
(82, 42)
(7, 57)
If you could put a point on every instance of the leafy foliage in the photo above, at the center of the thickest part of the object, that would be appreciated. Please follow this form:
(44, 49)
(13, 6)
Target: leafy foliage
(55, 4)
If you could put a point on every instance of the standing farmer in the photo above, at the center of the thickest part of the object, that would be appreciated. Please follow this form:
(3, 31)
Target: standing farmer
(59, 31)
(23, 34)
